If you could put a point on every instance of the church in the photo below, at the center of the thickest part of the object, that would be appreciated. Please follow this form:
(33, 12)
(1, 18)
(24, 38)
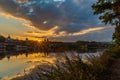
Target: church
(9, 44)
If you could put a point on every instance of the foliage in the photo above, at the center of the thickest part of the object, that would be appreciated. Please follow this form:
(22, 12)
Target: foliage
(74, 68)
(2, 39)
(116, 35)
(82, 46)
(70, 69)
(109, 11)
(113, 51)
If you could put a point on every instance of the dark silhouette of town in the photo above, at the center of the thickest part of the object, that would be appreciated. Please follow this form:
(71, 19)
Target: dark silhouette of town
(15, 46)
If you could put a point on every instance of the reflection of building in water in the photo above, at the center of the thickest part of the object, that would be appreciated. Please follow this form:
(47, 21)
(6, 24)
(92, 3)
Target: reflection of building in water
(8, 57)
(46, 46)
(26, 54)
(20, 48)
(2, 47)
(2, 56)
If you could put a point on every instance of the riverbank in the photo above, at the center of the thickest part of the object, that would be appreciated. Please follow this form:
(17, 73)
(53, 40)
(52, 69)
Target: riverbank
(36, 69)
(98, 68)
(115, 70)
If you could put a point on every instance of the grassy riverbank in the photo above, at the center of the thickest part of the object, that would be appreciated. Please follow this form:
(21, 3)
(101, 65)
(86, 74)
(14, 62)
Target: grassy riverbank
(74, 68)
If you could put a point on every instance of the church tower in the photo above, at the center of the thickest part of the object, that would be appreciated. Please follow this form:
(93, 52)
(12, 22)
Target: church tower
(8, 39)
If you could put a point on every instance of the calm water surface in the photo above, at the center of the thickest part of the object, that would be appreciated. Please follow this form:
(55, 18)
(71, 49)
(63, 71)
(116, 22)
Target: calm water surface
(16, 64)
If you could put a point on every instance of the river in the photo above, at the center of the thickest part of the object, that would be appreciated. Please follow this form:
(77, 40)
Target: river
(12, 64)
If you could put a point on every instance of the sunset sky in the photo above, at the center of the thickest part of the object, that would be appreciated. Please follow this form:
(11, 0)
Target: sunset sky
(59, 20)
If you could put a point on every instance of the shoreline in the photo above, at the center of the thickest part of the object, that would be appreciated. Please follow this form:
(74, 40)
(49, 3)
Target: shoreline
(36, 68)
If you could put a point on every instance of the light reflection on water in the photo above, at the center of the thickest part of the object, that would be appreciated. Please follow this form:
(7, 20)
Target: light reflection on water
(11, 65)
(14, 64)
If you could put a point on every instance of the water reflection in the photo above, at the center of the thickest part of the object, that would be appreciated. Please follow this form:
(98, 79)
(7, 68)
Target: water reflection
(12, 63)
(9, 54)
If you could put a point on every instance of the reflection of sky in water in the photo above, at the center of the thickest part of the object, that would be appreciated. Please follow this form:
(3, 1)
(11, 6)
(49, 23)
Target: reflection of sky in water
(17, 64)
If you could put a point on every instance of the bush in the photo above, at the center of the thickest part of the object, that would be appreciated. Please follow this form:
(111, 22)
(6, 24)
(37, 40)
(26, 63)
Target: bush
(73, 68)
(70, 69)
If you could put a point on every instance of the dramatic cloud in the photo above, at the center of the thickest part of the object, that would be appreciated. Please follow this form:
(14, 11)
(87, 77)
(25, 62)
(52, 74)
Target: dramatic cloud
(92, 34)
(45, 14)
(71, 16)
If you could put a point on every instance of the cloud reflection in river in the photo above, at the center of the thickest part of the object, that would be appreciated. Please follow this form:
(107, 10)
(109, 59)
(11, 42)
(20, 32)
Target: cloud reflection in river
(16, 64)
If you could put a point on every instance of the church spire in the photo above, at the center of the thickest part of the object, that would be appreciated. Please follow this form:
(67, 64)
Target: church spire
(9, 36)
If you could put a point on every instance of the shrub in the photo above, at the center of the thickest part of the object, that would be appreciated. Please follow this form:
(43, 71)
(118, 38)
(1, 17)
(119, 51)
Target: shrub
(73, 68)
(70, 69)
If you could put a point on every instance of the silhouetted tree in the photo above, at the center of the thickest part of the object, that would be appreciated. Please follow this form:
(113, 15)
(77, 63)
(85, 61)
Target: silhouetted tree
(2, 39)
(109, 11)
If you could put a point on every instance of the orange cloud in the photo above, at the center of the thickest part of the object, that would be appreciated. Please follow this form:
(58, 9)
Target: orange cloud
(82, 32)
(23, 21)
(28, 24)
(50, 32)
(8, 16)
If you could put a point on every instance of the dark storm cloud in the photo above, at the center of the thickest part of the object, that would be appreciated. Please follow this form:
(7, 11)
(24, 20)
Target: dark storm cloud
(8, 6)
(68, 14)
(36, 11)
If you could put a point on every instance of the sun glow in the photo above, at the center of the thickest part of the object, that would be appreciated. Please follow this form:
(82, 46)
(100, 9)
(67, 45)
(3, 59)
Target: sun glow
(39, 40)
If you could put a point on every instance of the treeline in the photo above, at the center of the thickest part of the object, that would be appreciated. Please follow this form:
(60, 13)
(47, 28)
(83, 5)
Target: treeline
(79, 46)
(50, 46)
(74, 68)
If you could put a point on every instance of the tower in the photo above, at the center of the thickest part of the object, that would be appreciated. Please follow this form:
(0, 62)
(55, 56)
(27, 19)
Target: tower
(8, 39)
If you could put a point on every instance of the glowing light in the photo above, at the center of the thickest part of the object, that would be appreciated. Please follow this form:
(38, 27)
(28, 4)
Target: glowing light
(45, 22)
(40, 40)
(89, 30)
